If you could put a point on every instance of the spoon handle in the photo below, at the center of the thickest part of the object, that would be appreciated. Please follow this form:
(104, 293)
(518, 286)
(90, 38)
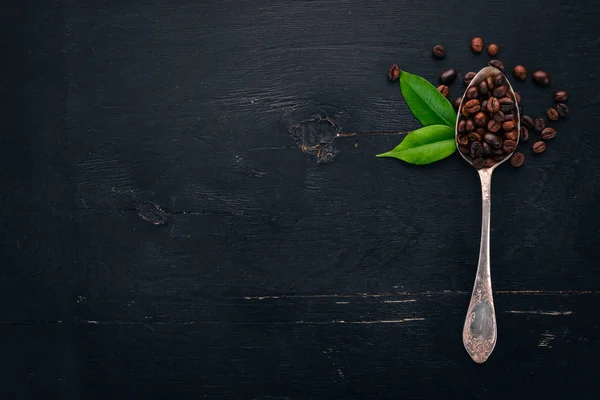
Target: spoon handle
(479, 331)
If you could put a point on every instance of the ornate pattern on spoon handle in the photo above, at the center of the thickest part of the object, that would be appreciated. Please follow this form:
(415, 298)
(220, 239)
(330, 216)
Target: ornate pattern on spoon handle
(479, 331)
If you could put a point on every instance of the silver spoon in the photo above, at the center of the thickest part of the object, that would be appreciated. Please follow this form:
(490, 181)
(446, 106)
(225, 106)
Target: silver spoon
(479, 331)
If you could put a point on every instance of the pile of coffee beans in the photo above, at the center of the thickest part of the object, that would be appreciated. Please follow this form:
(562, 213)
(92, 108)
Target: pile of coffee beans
(528, 125)
(488, 122)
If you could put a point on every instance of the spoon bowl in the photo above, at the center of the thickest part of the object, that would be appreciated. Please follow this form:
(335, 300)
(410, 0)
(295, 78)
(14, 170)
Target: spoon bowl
(479, 330)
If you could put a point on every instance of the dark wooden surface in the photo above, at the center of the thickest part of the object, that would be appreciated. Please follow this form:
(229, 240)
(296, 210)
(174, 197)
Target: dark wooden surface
(164, 236)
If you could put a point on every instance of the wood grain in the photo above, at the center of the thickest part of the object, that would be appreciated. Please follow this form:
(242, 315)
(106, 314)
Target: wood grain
(164, 235)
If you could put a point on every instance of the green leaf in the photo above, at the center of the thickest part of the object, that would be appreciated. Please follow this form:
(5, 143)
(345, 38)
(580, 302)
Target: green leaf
(425, 145)
(426, 103)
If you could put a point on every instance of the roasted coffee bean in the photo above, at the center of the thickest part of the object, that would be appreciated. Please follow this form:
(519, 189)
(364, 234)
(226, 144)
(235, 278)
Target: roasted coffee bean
(471, 107)
(444, 90)
(509, 146)
(561, 96)
(493, 49)
(493, 105)
(563, 109)
(520, 72)
(469, 77)
(462, 139)
(517, 159)
(499, 91)
(509, 117)
(498, 151)
(499, 116)
(483, 89)
(499, 157)
(469, 125)
(492, 140)
(476, 150)
(487, 150)
(509, 125)
(393, 73)
(479, 163)
(456, 103)
(489, 162)
(439, 51)
(511, 135)
(499, 80)
(539, 147)
(524, 134)
(480, 119)
(527, 121)
(548, 133)
(552, 114)
(506, 104)
(539, 124)
(484, 104)
(481, 131)
(490, 83)
(494, 126)
(472, 92)
(474, 137)
(464, 150)
(518, 98)
(498, 64)
(448, 76)
(541, 78)
(477, 44)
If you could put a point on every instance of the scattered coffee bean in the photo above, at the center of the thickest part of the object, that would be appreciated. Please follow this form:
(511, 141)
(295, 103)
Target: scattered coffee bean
(456, 103)
(479, 163)
(548, 133)
(444, 90)
(393, 73)
(520, 72)
(439, 51)
(561, 96)
(552, 114)
(448, 76)
(527, 121)
(524, 134)
(563, 109)
(493, 49)
(539, 147)
(477, 44)
(517, 159)
(469, 77)
(541, 78)
(539, 124)
(498, 64)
